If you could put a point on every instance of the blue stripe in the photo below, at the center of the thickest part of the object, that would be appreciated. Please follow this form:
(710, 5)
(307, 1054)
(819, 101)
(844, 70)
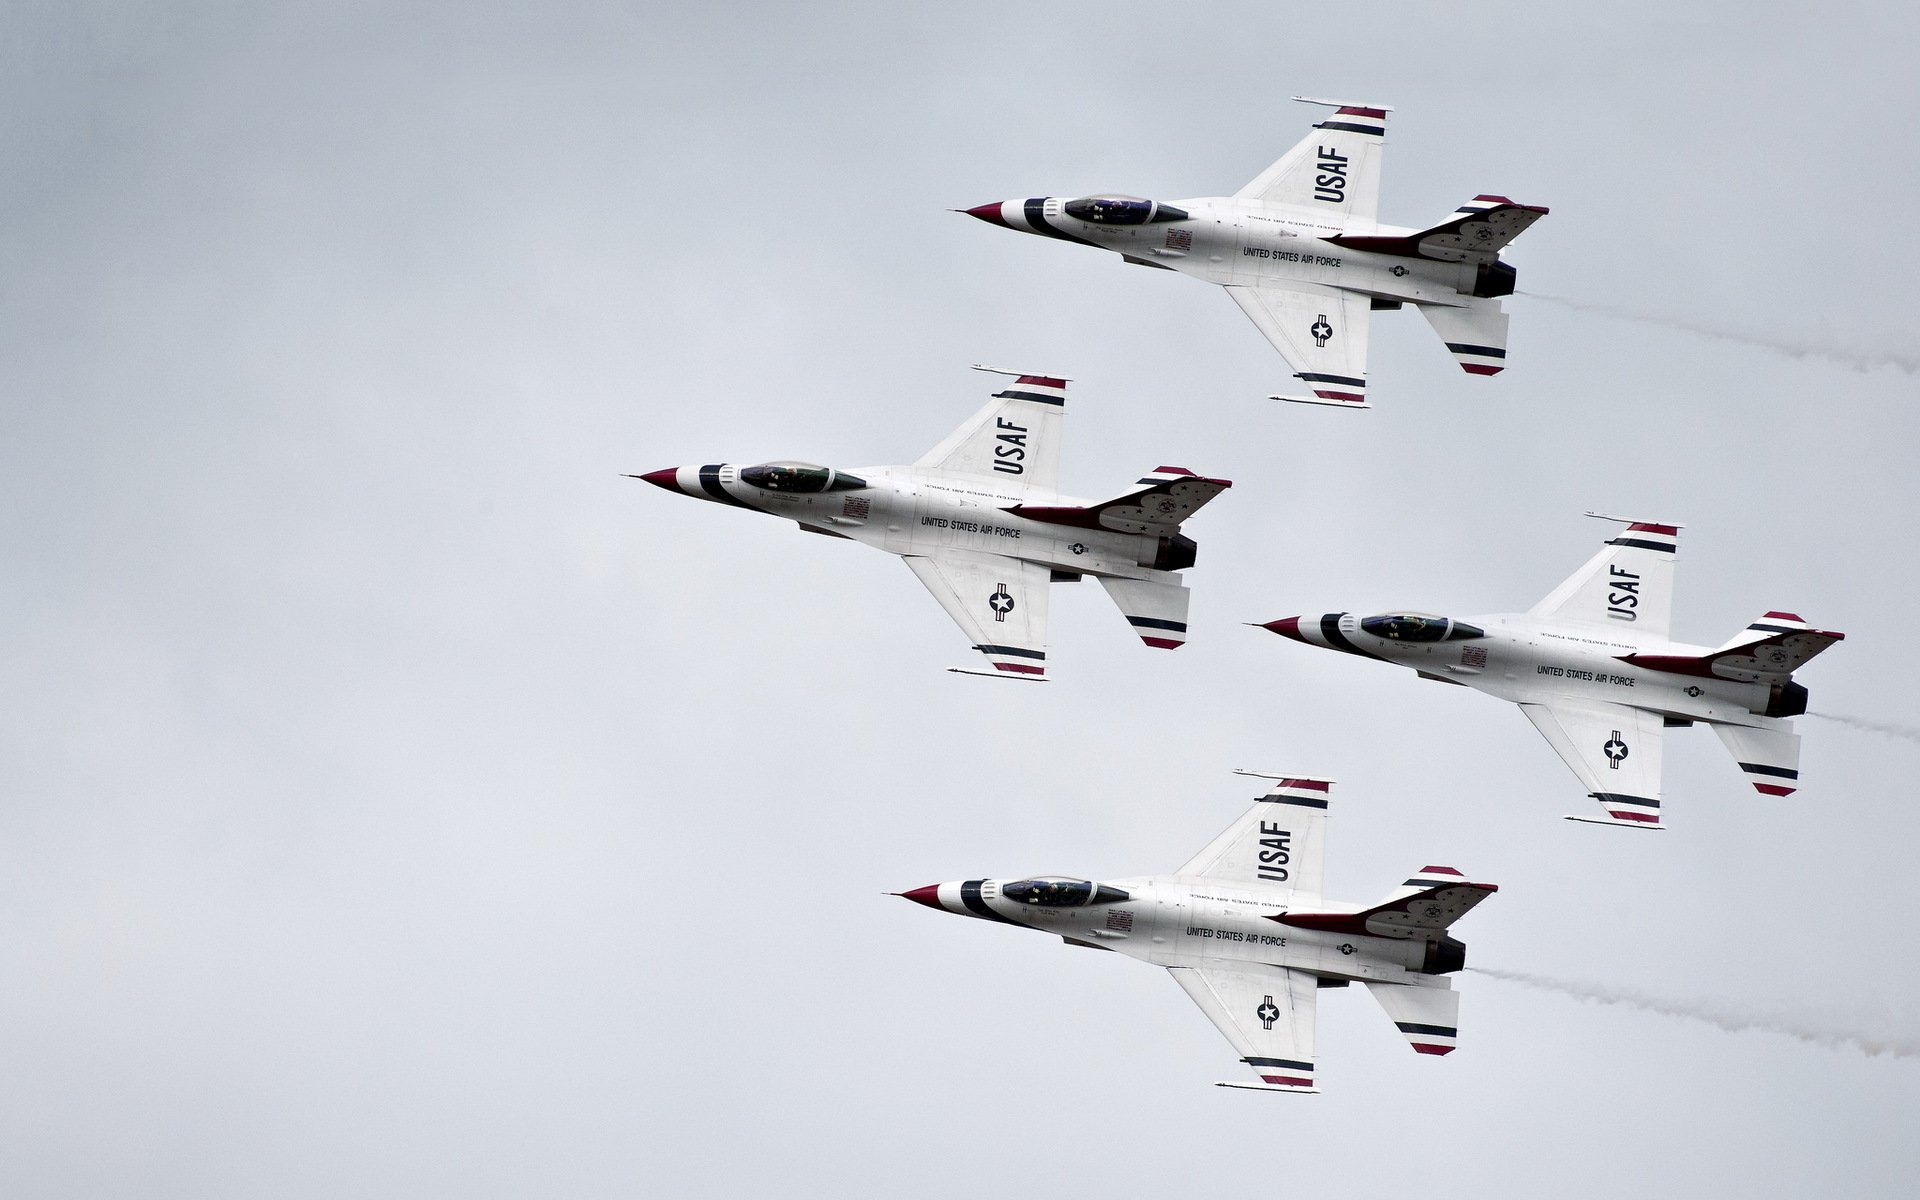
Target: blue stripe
(1036, 397)
(710, 484)
(1314, 377)
(1483, 351)
(1763, 769)
(970, 896)
(1302, 801)
(1157, 623)
(1442, 1030)
(1290, 1063)
(1623, 798)
(1035, 211)
(1375, 130)
(1011, 651)
(1669, 547)
(1330, 630)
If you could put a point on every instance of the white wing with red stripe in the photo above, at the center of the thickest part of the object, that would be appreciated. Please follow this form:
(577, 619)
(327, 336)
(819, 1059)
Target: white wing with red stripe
(1615, 750)
(1015, 438)
(1281, 842)
(999, 602)
(1267, 1013)
(1333, 175)
(1320, 331)
(1628, 586)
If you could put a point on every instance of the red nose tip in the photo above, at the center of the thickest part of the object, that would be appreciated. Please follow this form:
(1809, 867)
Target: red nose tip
(663, 478)
(990, 213)
(1286, 627)
(929, 895)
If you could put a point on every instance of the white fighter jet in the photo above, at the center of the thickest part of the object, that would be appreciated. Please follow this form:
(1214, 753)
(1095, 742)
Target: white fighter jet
(1243, 928)
(1592, 668)
(1300, 251)
(978, 520)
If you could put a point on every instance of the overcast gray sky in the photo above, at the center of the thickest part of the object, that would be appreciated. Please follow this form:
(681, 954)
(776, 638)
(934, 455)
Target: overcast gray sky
(396, 802)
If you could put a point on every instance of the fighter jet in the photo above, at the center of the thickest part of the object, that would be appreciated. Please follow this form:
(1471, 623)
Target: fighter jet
(1243, 928)
(1592, 668)
(979, 522)
(1300, 251)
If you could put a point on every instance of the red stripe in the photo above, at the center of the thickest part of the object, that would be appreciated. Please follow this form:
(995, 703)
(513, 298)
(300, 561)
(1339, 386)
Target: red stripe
(1669, 530)
(1288, 1080)
(1305, 785)
(1354, 396)
(1377, 114)
(1023, 668)
(1430, 1048)
(1634, 816)
(1786, 617)
(1480, 369)
(1440, 871)
(1162, 643)
(1493, 199)
(1773, 789)
(1042, 381)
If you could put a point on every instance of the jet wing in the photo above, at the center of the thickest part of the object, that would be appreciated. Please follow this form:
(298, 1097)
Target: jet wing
(1333, 175)
(1629, 584)
(1320, 331)
(1267, 1013)
(999, 602)
(1015, 438)
(1615, 750)
(1279, 843)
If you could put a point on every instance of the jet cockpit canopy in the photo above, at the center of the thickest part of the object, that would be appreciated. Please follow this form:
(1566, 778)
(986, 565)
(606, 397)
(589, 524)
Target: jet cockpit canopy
(1062, 891)
(1122, 210)
(1419, 627)
(799, 478)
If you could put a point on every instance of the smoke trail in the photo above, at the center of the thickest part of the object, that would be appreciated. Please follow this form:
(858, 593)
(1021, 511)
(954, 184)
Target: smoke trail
(1849, 356)
(1905, 732)
(1811, 1031)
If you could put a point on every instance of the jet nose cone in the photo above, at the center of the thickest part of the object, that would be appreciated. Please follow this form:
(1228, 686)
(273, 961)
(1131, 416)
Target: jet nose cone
(665, 477)
(929, 895)
(990, 213)
(1286, 627)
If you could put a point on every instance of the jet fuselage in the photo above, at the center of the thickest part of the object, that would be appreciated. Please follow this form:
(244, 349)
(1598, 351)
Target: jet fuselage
(907, 512)
(1235, 242)
(1173, 922)
(1524, 660)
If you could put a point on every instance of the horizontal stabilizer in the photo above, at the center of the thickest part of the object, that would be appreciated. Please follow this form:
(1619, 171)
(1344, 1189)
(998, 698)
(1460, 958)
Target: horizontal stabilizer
(1157, 611)
(1423, 907)
(1475, 233)
(1476, 335)
(1770, 758)
(1428, 1017)
(1771, 648)
(1155, 506)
